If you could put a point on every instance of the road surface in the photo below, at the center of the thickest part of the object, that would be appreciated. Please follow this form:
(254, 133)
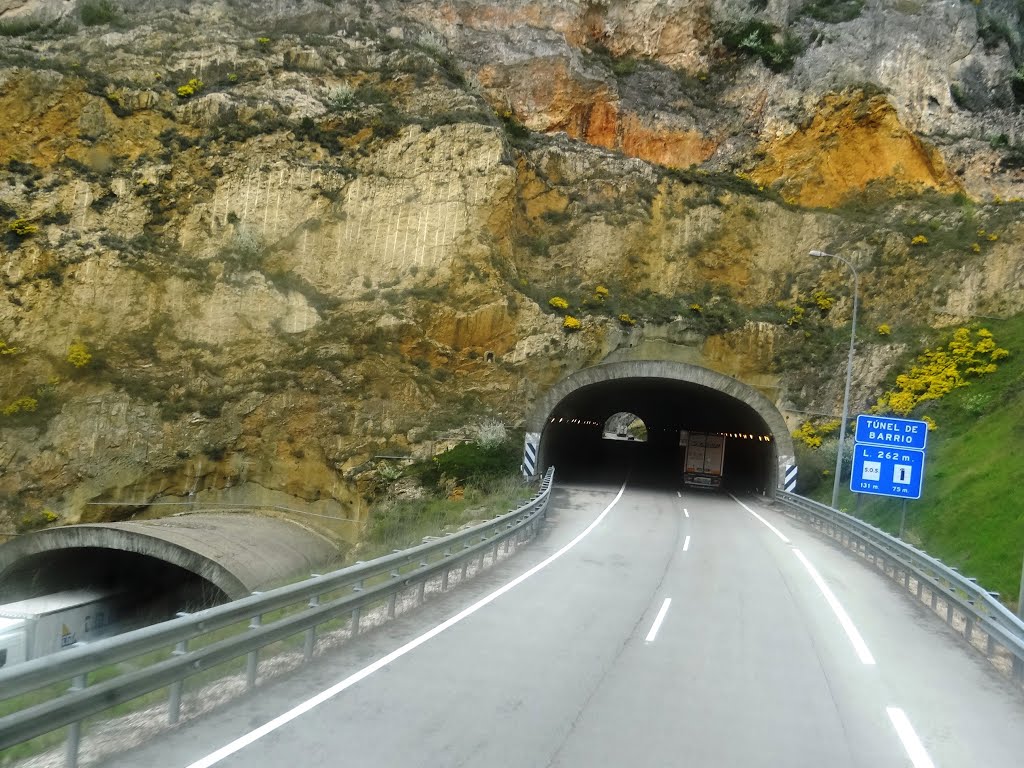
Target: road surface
(678, 629)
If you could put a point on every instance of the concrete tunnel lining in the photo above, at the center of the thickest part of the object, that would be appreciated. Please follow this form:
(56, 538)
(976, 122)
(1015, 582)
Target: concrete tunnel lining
(683, 373)
(238, 553)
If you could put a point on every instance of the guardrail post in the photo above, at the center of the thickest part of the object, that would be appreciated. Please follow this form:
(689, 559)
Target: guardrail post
(465, 564)
(309, 642)
(1018, 669)
(447, 571)
(422, 594)
(483, 553)
(252, 659)
(78, 683)
(356, 612)
(174, 694)
(393, 600)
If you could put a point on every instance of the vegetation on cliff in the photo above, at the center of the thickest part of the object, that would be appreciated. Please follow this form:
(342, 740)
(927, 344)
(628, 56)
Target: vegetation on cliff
(250, 248)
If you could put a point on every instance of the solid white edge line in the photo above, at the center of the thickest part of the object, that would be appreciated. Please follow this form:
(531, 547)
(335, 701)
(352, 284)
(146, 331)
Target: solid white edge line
(658, 619)
(911, 743)
(686, 544)
(844, 618)
(243, 741)
(771, 527)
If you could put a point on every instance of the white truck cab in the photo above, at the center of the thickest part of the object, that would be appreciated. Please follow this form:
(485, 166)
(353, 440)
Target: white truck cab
(13, 639)
(43, 625)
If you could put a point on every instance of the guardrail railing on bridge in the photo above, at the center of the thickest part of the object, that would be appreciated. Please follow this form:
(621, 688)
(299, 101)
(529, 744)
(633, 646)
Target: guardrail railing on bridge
(302, 607)
(979, 617)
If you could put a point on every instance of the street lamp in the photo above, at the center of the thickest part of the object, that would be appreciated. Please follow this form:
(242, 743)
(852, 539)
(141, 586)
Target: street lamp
(849, 374)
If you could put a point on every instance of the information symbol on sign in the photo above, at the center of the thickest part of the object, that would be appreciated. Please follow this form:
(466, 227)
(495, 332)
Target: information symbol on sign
(901, 474)
(872, 470)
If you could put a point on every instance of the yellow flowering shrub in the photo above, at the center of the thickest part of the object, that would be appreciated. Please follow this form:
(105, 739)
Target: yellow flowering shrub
(601, 293)
(919, 240)
(571, 323)
(626, 319)
(696, 308)
(794, 312)
(78, 355)
(22, 228)
(19, 405)
(822, 300)
(937, 372)
(811, 434)
(558, 302)
(190, 89)
(884, 329)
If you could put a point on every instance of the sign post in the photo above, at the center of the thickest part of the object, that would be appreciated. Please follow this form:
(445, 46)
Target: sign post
(888, 458)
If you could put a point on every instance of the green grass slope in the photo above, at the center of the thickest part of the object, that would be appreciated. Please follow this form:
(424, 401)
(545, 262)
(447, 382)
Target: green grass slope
(971, 510)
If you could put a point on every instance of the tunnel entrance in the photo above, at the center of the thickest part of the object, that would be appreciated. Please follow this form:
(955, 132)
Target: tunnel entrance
(150, 589)
(672, 400)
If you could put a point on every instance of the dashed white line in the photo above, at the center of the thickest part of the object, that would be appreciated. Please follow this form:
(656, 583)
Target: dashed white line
(679, 494)
(658, 619)
(844, 618)
(686, 511)
(243, 741)
(915, 749)
(771, 527)
(686, 543)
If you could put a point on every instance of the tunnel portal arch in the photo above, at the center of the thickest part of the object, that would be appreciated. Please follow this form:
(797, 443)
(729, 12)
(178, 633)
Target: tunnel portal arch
(234, 553)
(667, 396)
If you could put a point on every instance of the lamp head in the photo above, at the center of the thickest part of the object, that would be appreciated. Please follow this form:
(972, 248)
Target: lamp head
(818, 253)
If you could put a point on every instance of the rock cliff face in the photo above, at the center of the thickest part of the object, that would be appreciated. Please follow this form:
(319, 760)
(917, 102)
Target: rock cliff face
(250, 246)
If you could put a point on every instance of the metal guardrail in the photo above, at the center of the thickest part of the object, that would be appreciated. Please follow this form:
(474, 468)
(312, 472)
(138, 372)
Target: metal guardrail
(965, 605)
(358, 587)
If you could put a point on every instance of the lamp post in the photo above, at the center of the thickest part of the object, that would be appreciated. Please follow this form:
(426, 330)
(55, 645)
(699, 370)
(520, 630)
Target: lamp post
(849, 374)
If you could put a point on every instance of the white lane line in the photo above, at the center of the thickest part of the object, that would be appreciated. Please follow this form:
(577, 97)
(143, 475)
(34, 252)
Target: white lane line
(686, 543)
(844, 618)
(243, 741)
(658, 619)
(915, 749)
(771, 527)
(686, 511)
(680, 495)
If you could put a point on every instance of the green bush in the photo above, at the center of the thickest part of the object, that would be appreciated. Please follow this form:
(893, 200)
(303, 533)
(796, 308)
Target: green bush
(758, 38)
(19, 27)
(96, 12)
(833, 11)
(470, 462)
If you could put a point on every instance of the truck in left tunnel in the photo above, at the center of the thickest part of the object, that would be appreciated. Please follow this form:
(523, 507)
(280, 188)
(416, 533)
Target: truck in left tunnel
(43, 625)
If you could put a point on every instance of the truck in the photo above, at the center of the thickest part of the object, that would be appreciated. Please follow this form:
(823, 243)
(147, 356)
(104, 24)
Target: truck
(43, 625)
(705, 455)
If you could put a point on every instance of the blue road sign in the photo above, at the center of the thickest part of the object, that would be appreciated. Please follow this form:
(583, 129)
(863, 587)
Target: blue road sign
(891, 432)
(887, 471)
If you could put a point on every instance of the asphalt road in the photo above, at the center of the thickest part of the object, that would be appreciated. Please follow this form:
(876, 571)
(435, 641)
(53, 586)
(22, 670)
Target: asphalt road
(750, 664)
